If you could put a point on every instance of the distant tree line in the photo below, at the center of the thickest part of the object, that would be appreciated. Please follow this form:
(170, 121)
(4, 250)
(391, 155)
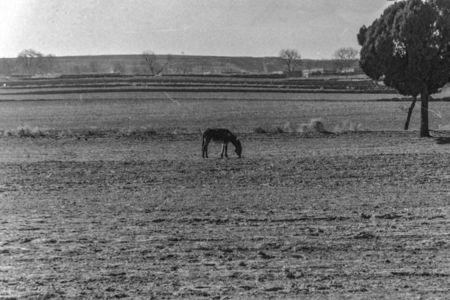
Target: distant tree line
(345, 60)
(30, 62)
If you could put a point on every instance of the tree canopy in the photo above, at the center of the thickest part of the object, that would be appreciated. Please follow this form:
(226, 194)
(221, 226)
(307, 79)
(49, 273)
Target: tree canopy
(291, 58)
(151, 61)
(408, 47)
(31, 62)
(345, 57)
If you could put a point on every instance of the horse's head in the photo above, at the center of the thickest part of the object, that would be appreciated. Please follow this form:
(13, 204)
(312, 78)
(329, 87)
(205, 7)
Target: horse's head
(238, 149)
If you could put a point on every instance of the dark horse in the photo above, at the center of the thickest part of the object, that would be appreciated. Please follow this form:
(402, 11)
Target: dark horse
(223, 136)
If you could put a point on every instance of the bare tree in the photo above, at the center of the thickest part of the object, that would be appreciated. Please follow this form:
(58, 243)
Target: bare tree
(29, 61)
(49, 64)
(169, 62)
(291, 58)
(345, 58)
(184, 68)
(152, 64)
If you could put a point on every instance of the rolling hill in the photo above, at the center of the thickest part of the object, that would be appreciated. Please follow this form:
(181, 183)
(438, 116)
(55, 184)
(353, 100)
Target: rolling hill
(174, 64)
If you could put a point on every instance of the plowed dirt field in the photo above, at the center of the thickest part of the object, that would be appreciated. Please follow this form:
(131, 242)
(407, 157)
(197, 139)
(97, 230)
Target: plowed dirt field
(361, 215)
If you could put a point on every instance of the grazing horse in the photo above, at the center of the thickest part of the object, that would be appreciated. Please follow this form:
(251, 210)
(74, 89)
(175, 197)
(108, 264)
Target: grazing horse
(223, 136)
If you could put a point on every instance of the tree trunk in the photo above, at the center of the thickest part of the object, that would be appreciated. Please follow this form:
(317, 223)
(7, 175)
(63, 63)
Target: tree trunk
(424, 130)
(410, 110)
(289, 67)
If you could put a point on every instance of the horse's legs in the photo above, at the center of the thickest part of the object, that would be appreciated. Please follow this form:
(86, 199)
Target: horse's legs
(226, 150)
(205, 147)
(223, 150)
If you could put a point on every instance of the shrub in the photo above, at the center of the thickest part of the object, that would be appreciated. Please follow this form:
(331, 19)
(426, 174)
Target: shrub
(348, 126)
(317, 125)
(36, 132)
(314, 125)
(287, 127)
(259, 130)
(26, 131)
(278, 129)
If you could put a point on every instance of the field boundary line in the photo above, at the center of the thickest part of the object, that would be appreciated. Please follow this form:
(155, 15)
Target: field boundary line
(171, 99)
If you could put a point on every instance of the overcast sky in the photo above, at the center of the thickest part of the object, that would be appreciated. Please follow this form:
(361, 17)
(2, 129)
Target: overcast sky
(195, 27)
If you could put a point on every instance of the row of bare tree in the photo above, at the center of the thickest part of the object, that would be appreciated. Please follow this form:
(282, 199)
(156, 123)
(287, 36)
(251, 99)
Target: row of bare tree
(32, 62)
(28, 62)
(344, 58)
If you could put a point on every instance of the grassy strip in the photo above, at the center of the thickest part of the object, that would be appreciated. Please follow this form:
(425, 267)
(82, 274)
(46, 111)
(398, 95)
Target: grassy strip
(199, 80)
(38, 132)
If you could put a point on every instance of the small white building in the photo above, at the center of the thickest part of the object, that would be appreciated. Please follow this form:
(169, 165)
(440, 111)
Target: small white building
(309, 72)
(347, 70)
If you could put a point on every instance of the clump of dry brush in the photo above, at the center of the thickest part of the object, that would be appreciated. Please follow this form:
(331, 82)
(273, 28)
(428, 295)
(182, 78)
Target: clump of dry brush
(315, 125)
(348, 126)
(40, 132)
(32, 132)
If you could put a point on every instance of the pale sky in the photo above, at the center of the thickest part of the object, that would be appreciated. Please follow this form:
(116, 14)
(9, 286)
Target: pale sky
(316, 28)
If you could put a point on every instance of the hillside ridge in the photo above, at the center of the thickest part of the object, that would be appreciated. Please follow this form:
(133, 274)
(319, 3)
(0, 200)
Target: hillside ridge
(174, 64)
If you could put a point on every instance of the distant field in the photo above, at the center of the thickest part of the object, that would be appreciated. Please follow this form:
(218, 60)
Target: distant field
(214, 95)
(15, 86)
(191, 103)
(190, 112)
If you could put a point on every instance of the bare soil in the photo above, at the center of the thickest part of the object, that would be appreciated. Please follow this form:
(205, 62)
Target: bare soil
(340, 216)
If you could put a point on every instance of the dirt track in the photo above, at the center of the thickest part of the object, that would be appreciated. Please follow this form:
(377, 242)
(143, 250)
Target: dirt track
(363, 216)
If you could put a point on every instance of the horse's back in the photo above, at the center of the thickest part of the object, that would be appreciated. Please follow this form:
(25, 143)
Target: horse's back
(217, 134)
